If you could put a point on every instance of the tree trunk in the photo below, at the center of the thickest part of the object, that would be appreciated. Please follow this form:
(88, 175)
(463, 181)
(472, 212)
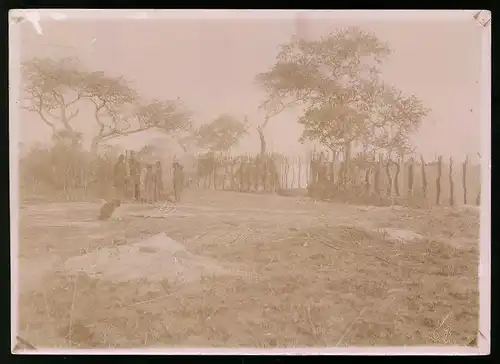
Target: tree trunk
(438, 179)
(464, 178)
(263, 145)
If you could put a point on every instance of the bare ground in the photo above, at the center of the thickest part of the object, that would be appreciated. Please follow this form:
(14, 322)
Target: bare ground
(309, 274)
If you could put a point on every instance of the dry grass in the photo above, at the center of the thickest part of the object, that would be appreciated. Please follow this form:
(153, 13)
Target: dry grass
(315, 274)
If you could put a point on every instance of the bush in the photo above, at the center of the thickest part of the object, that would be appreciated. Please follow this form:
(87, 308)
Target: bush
(64, 172)
(357, 194)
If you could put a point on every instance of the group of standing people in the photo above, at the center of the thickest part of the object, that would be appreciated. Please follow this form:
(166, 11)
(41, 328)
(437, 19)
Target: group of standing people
(143, 182)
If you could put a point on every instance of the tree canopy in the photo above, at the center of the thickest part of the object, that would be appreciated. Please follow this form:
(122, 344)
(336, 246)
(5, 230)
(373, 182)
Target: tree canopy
(170, 115)
(221, 134)
(56, 89)
(337, 81)
(51, 89)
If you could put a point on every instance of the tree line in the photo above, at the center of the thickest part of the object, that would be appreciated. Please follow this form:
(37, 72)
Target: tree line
(335, 81)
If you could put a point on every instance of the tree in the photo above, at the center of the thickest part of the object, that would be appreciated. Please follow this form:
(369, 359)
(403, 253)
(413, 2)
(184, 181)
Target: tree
(271, 108)
(170, 115)
(51, 89)
(399, 116)
(221, 134)
(109, 95)
(336, 80)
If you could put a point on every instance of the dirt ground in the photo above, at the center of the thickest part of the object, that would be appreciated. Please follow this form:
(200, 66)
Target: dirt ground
(303, 273)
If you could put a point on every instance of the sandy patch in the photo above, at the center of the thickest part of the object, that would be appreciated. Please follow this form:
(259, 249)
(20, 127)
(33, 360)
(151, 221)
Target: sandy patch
(155, 259)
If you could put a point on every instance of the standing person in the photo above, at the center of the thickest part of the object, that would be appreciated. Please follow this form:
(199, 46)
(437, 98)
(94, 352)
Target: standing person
(120, 173)
(135, 171)
(158, 181)
(178, 180)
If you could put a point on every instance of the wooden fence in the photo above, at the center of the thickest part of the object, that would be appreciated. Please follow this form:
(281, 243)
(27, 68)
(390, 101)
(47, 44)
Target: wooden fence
(440, 182)
(443, 182)
(251, 173)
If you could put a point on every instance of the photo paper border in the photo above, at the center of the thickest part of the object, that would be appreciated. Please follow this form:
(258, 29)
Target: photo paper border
(33, 15)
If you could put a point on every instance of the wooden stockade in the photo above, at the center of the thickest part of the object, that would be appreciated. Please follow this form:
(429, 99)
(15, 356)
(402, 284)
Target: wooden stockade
(443, 181)
(250, 173)
(424, 183)
(416, 182)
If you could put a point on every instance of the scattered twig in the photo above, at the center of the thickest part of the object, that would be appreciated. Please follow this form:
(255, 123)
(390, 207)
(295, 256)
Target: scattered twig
(229, 223)
(321, 241)
(46, 304)
(442, 322)
(349, 327)
(200, 235)
(236, 239)
(310, 321)
(91, 250)
(439, 326)
(151, 300)
(72, 312)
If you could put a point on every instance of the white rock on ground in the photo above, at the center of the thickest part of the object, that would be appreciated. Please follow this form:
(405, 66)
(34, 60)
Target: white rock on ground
(400, 235)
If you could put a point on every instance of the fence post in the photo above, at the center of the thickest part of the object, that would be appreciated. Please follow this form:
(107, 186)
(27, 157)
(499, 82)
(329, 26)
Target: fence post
(300, 171)
(464, 178)
(389, 177)
(410, 177)
(367, 180)
(424, 177)
(376, 182)
(214, 172)
(438, 179)
(396, 177)
(287, 170)
(452, 187)
(332, 172)
(310, 176)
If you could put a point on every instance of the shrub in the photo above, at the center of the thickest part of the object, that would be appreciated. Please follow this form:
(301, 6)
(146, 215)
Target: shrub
(64, 172)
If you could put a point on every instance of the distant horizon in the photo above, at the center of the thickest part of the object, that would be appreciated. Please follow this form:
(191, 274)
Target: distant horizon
(211, 66)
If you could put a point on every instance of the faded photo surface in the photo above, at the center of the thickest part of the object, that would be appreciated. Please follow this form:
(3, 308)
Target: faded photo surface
(296, 181)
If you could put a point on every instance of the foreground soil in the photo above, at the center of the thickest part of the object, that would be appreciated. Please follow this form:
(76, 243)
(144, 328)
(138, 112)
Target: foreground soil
(308, 274)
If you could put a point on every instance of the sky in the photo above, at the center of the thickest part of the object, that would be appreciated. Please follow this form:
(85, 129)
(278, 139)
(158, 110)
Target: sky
(211, 64)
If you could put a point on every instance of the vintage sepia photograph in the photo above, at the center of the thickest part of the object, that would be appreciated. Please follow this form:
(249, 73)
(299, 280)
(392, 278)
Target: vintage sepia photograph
(250, 181)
